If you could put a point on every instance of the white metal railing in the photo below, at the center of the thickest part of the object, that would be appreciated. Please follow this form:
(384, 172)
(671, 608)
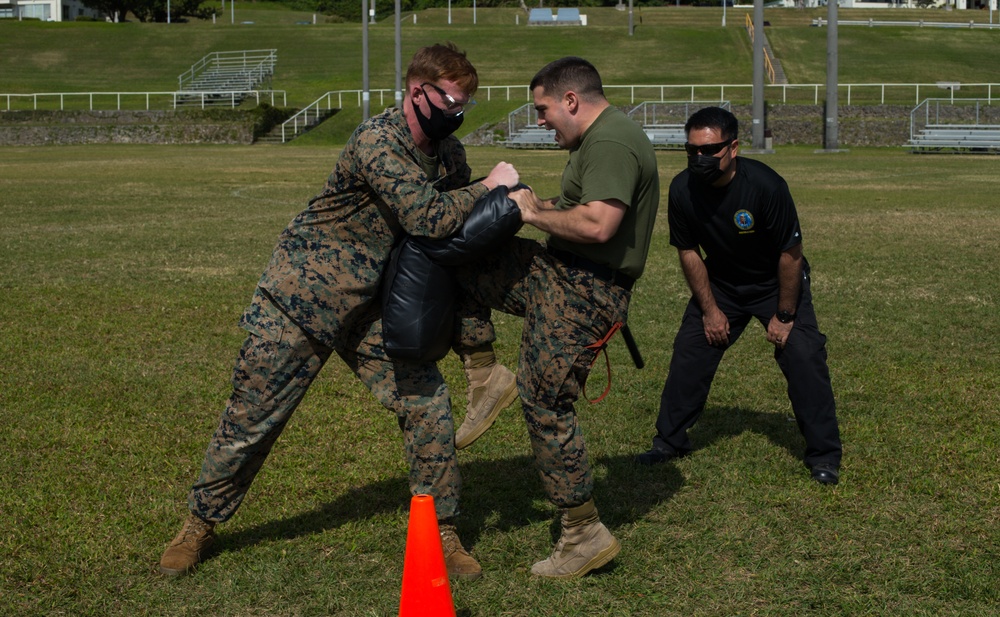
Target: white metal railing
(113, 101)
(521, 118)
(871, 93)
(821, 22)
(310, 113)
(215, 98)
(616, 93)
(874, 93)
(659, 113)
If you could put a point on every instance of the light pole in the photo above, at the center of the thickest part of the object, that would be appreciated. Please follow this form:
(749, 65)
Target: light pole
(757, 123)
(831, 139)
(449, 12)
(365, 95)
(399, 60)
(724, 3)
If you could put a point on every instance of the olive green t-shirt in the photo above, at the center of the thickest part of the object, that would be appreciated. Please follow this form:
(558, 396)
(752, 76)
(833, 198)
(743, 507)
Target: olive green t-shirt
(615, 160)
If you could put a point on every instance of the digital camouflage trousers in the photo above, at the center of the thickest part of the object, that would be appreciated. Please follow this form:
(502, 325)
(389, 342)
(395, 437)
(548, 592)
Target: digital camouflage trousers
(275, 368)
(564, 309)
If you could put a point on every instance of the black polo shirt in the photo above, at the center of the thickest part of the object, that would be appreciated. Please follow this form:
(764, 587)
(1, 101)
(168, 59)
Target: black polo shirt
(741, 228)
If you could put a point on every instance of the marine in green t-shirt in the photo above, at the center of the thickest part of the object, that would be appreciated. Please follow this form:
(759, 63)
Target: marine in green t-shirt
(614, 161)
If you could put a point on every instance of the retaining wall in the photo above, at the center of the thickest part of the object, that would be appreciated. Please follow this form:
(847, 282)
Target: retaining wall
(858, 125)
(33, 128)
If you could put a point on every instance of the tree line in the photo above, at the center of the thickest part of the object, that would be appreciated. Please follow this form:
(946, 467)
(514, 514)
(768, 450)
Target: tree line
(340, 10)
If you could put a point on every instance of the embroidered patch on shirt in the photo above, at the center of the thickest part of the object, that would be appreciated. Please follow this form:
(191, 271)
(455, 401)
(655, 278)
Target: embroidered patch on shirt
(743, 220)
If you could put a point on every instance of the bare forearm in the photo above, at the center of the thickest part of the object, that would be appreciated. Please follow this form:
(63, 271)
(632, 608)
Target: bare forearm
(696, 276)
(714, 321)
(590, 223)
(790, 266)
(566, 224)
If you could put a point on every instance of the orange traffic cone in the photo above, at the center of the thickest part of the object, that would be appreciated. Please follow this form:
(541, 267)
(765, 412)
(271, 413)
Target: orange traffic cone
(425, 578)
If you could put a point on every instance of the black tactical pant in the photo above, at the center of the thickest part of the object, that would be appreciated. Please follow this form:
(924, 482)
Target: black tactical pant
(802, 361)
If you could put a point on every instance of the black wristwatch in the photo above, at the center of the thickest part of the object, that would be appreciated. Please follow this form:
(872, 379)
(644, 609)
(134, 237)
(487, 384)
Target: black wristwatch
(785, 316)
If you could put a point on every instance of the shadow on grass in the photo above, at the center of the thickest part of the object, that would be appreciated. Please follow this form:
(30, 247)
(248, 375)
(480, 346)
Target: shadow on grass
(502, 493)
(719, 423)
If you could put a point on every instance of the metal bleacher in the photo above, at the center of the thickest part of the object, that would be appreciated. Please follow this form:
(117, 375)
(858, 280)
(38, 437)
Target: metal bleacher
(961, 126)
(225, 77)
(536, 138)
(957, 138)
(663, 121)
(523, 130)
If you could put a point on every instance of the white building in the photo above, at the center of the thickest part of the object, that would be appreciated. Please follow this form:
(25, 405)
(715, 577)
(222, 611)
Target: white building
(46, 10)
(879, 4)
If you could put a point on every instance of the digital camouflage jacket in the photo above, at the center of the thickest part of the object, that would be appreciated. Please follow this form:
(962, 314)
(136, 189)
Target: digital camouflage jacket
(325, 270)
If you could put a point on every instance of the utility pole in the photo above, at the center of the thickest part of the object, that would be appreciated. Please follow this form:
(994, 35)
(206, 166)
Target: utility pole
(830, 134)
(757, 126)
(365, 94)
(399, 60)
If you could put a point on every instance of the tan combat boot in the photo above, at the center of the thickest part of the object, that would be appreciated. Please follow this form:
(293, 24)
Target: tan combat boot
(584, 545)
(188, 548)
(460, 564)
(492, 387)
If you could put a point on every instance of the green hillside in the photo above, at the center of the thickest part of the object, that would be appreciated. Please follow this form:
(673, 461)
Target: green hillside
(673, 45)
(670, 45)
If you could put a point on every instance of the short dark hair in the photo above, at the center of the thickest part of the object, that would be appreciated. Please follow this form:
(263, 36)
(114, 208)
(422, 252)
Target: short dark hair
(569, 73)
(714, 118)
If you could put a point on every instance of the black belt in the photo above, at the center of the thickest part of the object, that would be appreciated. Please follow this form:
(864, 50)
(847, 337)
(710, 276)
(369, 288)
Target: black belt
(605, 273)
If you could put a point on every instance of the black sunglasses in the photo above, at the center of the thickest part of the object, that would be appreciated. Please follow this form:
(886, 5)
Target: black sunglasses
(707, 149)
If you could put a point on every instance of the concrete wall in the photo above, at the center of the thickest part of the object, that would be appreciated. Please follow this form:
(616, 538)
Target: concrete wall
(857, 125)
(877, 125)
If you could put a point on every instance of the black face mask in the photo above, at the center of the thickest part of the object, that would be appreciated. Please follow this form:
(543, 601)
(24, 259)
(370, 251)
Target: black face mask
(705, 168)
(439, 125)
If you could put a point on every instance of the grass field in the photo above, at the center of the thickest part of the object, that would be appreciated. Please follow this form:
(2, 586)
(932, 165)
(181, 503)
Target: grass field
(126, 269)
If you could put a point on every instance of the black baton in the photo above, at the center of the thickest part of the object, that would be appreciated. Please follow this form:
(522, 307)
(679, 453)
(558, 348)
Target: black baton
(633, 349)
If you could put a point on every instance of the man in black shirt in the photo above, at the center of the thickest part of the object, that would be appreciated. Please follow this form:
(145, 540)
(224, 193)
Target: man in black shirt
(741, 214)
